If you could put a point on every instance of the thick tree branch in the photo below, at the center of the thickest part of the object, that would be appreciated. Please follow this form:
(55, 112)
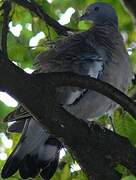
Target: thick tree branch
(98, 150)
(37, 9)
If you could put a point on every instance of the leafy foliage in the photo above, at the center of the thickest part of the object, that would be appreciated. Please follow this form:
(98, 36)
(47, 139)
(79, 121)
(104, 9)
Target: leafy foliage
(19, 50)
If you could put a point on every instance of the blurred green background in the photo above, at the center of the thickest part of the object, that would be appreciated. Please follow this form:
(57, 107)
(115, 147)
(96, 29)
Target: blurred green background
(28, 37)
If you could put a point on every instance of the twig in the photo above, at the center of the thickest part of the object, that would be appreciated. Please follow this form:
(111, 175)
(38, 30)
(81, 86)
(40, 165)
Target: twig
(131, 6)
(37, 9)
(6, 7)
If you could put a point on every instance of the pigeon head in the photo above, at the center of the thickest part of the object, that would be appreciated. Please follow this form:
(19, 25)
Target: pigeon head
(100, 13)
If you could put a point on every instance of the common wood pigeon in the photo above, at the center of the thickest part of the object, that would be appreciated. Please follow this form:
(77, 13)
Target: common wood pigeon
(98, 52)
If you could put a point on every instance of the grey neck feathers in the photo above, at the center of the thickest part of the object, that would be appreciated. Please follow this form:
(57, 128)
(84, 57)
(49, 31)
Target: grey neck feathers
(106, 35)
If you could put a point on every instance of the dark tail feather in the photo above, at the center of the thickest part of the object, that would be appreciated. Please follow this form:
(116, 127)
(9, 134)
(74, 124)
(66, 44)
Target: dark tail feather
(16, 127)
(13, 162)
(35, 152)
(29, 167)
(49, 170)
(10, 167)
(17, 115)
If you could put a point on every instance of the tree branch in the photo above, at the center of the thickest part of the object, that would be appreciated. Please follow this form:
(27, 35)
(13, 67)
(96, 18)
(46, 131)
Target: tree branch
(6, 8)
(131, 6)
(37, 9)
(97, 150)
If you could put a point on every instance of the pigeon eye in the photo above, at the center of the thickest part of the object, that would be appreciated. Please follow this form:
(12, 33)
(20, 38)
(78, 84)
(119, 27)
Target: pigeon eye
(96, 8)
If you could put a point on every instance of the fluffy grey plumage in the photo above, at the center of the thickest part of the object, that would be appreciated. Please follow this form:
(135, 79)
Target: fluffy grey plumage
(99, 52)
